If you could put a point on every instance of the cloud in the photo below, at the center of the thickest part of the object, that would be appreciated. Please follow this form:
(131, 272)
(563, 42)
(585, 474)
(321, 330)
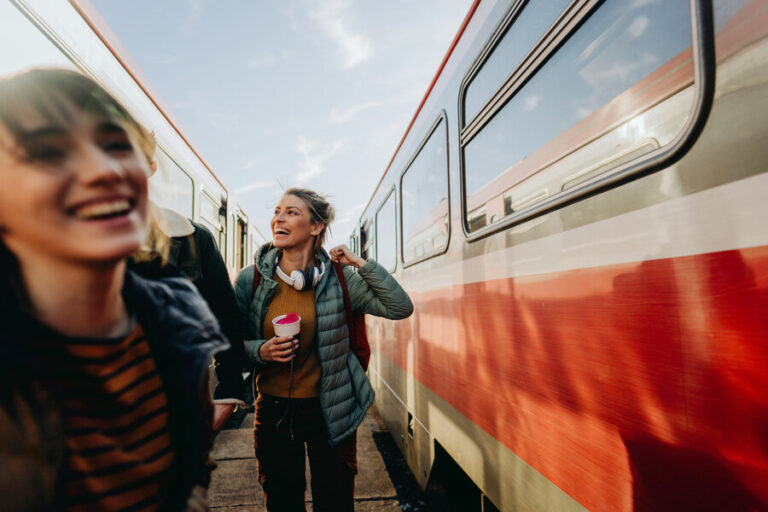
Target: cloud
(253, 186)
(531, 102)
(189, 24)
(315, 155)
(347, 115)
(351, 214)
(355, 47)
(638, 26)
(262, 61)
(250, 164)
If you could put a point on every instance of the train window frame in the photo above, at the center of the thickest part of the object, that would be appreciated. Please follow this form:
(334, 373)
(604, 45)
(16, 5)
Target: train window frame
(569, 22)
(161, 148)
(390, 194)
(212, 220)
(442, 117)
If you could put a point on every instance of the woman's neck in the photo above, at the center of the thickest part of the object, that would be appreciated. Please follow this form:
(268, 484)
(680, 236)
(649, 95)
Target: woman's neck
(77, 299)
(295, 258)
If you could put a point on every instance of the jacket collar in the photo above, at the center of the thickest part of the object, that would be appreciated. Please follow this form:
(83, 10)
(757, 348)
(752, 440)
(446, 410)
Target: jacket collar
(267, 258)
(175, 313)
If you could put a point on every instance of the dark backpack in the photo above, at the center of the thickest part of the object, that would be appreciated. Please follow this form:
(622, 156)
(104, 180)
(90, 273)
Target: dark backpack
(358, 339)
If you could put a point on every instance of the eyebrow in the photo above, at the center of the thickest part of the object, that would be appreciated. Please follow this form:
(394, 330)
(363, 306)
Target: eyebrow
(39, 133)
(110, 127)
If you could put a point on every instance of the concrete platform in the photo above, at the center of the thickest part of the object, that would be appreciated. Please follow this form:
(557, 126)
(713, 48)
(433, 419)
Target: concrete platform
(234, 486)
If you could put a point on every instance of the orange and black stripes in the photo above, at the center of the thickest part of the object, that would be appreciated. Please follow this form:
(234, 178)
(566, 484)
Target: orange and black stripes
(117, 444)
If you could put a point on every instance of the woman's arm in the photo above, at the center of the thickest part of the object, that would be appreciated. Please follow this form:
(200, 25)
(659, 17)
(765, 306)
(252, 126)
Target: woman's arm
(372, 289)
(260, 352)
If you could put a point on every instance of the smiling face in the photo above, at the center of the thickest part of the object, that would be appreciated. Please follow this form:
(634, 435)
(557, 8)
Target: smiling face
(74, 191)
(292, 225)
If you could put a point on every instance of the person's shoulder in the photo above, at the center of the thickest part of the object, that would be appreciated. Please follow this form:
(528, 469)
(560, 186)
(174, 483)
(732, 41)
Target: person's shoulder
(245, 276)
(202, 232)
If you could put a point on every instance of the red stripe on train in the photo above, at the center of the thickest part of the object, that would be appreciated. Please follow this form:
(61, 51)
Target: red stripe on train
(634, 386)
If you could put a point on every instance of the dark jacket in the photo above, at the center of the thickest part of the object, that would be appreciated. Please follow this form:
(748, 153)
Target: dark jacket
(198, 257)
(345, 393)
(182, 335)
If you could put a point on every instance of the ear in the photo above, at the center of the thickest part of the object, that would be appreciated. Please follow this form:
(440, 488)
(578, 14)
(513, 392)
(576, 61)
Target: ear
(317, 228)
(152, 167)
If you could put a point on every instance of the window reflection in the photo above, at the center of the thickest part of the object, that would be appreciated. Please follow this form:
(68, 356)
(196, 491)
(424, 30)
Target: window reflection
(531, 24)
(424, 199)
(171, 187)
(593, 105)
(17, 32)
(386, 234)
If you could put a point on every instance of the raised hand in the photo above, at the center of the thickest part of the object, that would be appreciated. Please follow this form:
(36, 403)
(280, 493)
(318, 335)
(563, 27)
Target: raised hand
(345, 256)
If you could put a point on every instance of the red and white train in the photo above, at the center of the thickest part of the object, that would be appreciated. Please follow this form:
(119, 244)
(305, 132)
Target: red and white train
(71, 34)
(579, 211)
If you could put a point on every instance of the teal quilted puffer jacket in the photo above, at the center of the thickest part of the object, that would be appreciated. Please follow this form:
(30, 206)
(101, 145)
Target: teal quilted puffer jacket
(345, 393)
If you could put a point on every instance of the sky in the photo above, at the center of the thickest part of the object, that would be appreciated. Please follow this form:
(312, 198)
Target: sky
(273, 94)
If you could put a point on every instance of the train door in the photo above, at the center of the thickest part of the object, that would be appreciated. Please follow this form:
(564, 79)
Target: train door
(241, 242)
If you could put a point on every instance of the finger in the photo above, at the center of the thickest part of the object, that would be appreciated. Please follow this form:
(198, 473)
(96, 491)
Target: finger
(286, 345)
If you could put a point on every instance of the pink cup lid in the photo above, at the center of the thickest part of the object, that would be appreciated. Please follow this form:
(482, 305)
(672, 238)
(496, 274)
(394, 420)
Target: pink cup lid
(290, 318)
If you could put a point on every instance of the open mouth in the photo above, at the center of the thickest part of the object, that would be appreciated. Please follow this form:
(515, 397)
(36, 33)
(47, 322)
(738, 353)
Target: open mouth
(103, 209)
(281, 231)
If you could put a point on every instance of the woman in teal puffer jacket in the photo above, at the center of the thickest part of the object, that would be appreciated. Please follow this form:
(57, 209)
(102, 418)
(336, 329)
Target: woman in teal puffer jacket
(311, 388)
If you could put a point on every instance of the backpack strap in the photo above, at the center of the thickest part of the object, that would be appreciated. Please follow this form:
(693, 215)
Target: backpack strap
(343, 282)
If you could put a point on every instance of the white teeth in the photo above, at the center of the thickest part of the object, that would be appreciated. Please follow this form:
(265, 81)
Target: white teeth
(92, 210)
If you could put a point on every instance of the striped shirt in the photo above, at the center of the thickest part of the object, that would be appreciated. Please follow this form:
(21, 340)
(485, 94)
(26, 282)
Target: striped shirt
(117, 445)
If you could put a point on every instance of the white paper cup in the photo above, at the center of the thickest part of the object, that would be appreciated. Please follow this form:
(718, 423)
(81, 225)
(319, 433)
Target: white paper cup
(291, 329)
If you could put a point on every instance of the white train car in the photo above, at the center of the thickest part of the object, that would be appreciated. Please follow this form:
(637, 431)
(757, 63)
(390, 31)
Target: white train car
(37, 33)
(578, 211)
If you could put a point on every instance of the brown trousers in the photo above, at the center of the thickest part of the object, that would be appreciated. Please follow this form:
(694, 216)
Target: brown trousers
(280, 458)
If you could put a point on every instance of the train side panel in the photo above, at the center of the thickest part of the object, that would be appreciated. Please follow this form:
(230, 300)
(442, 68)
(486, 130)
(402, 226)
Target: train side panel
(609, 354)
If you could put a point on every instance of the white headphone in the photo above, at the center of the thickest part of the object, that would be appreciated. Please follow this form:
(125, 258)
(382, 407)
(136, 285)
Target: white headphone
(300, 279)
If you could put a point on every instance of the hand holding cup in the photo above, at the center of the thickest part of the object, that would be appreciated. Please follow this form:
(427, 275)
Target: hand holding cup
(281, 347)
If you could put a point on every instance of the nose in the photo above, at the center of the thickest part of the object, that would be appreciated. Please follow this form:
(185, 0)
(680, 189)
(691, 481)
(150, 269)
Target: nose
(95, 165)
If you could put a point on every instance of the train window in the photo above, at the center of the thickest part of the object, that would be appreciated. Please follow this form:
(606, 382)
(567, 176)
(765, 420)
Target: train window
(17, 32)
(386, 234)
(171, 187)
(628, 69)
(209, 216)
(424, 198)
(530, 20)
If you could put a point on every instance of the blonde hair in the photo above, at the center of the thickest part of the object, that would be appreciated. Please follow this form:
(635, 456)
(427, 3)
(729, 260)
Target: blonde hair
(158, 244)
(321, 210)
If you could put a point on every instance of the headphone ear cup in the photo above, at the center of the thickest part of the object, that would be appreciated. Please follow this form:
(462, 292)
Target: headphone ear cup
(299, 280)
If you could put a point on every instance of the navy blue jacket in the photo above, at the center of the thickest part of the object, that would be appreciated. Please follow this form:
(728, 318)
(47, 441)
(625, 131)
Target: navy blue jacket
(182, 334)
